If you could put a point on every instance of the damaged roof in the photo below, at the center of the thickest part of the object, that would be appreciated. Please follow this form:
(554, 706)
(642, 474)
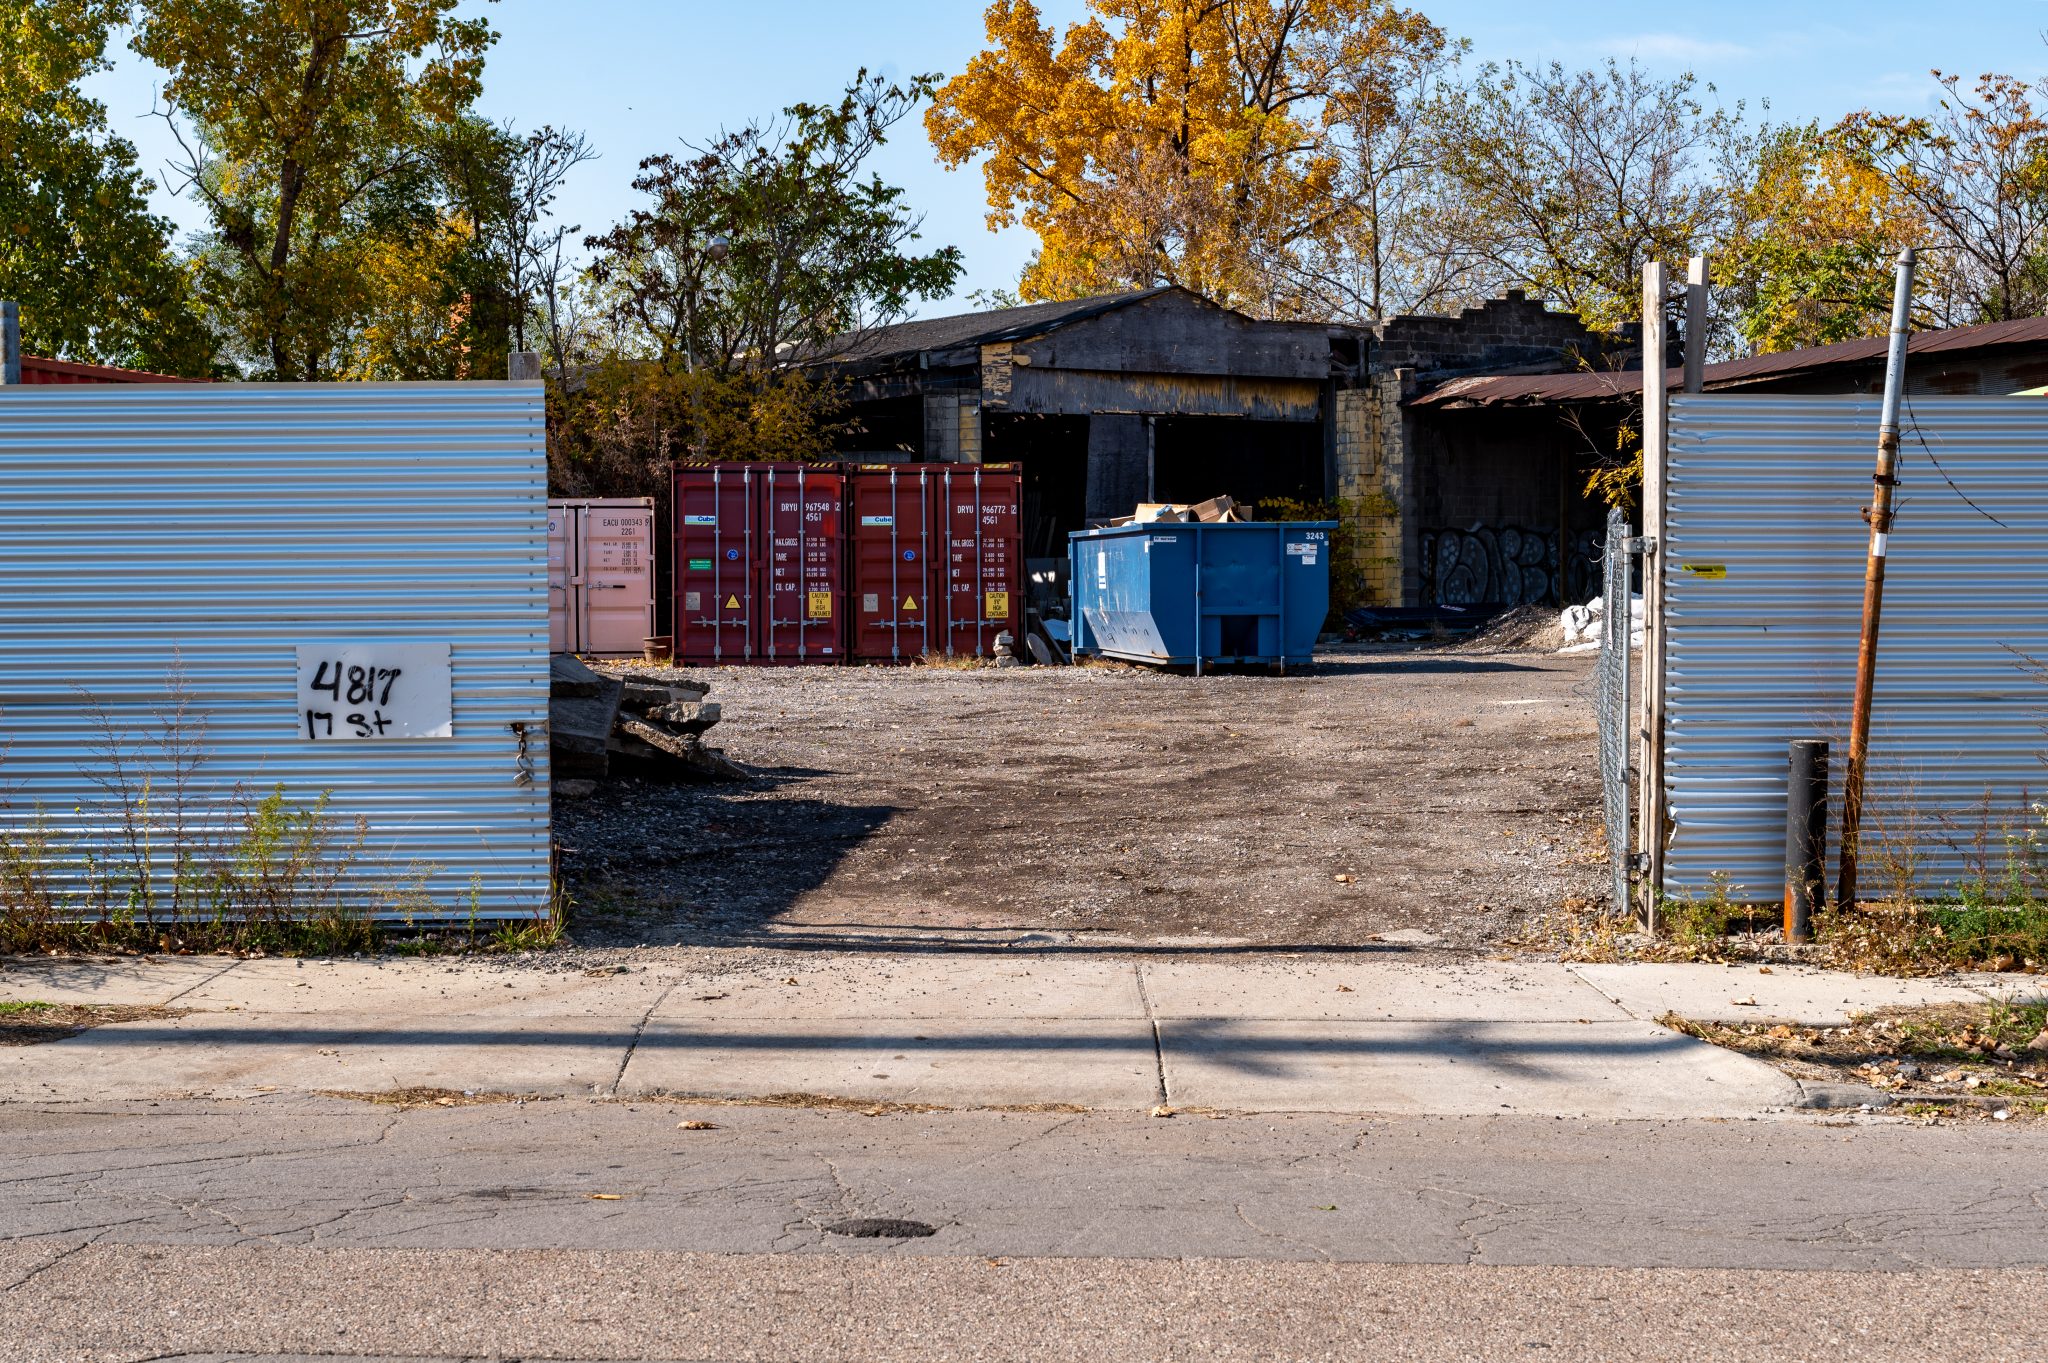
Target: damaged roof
(973, 328)
(1537, 390)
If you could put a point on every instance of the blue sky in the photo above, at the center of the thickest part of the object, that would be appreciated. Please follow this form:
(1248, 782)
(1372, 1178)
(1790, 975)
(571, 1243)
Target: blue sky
(638, 75)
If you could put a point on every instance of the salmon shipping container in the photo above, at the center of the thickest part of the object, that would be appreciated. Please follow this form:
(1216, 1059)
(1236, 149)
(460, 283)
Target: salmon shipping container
(760, 564)
(600, 576)
(977, 514)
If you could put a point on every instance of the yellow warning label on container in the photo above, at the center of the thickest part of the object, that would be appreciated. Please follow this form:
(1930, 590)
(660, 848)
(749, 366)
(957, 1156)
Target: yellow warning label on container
(998, 604)
(1713, 570)
(732, 603)
(910, 603)
(821, 605)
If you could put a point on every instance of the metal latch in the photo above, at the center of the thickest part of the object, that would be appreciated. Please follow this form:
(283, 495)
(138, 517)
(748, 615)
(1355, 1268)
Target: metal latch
(522, 773)
(1640, 544)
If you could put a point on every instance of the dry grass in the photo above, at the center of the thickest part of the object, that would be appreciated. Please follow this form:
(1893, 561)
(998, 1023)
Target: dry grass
(1972, 1059)
(406, 1099)
(952, 662)
(865, 1107)
(32, 1024)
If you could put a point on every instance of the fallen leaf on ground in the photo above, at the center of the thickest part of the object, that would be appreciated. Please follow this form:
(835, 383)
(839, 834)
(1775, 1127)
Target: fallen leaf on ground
(1345, 989)
(1163, 1110)
(1763, 970)
(603, 1197)
(1749, 1002)
(694, 1125)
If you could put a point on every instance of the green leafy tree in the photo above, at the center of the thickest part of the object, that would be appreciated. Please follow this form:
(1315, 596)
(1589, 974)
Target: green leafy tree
(814, 246)
(772, 245)
(309, 130)
(90, 265)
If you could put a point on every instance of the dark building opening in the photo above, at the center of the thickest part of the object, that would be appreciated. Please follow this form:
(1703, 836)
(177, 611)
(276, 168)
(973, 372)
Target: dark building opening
(1053, 453)
(1195, 458)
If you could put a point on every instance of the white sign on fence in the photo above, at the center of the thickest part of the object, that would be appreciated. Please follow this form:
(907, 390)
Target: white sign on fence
(357, 691)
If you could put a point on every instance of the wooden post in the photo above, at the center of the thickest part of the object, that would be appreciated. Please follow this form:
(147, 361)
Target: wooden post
(10, 342)
(1656, 405)
(1696, 325)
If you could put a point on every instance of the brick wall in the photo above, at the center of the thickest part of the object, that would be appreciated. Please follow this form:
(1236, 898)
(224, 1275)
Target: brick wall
(1503, 333)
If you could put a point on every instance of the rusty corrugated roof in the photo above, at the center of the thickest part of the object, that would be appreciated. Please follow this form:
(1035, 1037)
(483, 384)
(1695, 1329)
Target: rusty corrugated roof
(42, 369)
(1509, 390)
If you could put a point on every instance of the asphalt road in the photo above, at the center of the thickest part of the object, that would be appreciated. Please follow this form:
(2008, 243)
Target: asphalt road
(590, 1230)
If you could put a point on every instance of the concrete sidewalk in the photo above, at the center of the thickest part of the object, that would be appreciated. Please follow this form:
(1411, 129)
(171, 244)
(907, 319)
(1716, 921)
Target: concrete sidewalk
(1304, 1033)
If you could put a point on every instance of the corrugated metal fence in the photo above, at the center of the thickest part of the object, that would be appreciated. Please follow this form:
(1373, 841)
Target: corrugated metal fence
(221, 528)
(1764, 557)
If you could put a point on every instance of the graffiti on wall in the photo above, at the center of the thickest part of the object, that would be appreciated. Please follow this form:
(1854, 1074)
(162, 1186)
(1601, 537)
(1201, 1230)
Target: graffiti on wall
(1506, 565)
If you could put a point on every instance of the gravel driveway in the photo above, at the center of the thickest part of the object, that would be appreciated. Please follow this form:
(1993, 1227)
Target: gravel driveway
(1445, 793)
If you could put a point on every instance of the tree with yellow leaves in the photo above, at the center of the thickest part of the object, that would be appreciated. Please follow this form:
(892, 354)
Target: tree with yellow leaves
(1808, 261)
(1194, 142)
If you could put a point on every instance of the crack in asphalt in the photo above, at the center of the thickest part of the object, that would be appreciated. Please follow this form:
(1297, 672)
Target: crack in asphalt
(1158, 1046)
(1282, 1237)
(634, 1045)
(200, 984)
(40, 1269)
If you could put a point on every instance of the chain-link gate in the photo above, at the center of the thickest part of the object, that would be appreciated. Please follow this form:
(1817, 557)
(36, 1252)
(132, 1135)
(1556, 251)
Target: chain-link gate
(1611, 700)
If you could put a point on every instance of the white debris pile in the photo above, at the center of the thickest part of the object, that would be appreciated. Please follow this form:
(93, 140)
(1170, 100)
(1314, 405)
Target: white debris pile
(1585, 626)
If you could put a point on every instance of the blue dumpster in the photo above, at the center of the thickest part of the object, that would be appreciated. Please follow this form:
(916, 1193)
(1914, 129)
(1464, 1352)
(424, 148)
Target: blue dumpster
(1201, 593)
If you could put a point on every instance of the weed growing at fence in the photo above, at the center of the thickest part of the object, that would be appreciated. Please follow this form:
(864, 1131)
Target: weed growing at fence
(163, 861)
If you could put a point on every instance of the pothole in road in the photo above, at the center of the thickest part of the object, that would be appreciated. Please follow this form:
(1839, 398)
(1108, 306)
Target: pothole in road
(881, 1228)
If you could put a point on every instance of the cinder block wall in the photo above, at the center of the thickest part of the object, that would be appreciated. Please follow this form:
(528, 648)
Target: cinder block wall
(1370, 482)
(1400, 474)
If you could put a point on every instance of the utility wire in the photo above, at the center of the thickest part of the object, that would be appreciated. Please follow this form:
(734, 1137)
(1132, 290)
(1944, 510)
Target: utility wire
(1920, 436)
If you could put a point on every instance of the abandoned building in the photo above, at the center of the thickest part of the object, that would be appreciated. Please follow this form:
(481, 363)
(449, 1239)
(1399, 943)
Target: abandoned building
(1161, 395)
(1461, 435)
(1158, 395)
(1460, 447)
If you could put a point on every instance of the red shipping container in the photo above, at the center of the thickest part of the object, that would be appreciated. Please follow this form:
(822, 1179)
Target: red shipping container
(895, 552)
(717, 564)
(803, 572)
(977, 513)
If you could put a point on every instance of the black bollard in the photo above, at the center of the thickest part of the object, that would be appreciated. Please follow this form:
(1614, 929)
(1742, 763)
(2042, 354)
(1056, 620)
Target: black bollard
(1806, 835)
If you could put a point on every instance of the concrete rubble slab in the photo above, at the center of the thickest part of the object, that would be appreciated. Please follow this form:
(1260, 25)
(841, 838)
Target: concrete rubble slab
(1597, 1069)
(1364, 988)
(949, 1062)
(1742, 993)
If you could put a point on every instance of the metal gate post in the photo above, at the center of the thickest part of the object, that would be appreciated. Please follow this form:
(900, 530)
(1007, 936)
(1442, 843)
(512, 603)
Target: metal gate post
(1656, 428)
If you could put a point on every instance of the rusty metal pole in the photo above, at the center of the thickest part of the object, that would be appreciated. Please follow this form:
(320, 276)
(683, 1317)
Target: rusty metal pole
(1879, 514)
